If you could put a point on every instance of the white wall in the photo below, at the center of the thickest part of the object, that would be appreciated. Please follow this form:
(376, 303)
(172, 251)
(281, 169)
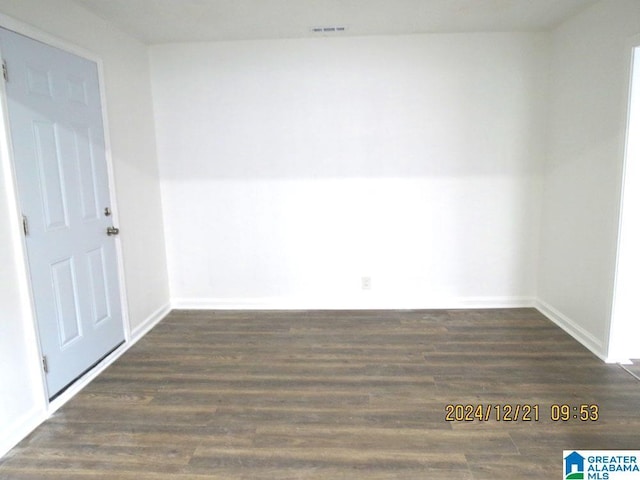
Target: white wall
(292, 168)
(588, 95)
(130, 122)
(21, 389)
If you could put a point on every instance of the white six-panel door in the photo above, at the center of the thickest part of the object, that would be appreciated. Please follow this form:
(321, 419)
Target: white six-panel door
(57, 135)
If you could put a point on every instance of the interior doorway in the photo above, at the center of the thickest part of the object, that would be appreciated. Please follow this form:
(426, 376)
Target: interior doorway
(624, 341)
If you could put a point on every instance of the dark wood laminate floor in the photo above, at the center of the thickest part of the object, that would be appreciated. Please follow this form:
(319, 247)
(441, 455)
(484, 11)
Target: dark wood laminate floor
(334, 395)
(634, 368)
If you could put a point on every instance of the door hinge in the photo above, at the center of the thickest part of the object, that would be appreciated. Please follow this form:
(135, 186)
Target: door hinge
(5, 71)
(45, 364)
(25, 225)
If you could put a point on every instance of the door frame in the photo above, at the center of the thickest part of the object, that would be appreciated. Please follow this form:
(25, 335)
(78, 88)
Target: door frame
(623, 304)
(7, 163)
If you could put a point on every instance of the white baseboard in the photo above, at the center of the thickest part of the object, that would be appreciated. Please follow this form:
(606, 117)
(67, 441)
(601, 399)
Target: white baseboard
(32, 420)
(371, 303)
(573, 329)
(151, 321)
(20, 429)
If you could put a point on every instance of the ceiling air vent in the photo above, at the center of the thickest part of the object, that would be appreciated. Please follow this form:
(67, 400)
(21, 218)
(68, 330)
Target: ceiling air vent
(329, 29)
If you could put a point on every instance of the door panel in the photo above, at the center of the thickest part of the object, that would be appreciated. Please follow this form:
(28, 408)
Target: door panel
(85, 162)
(65, 292)
(99, 292)
(57, 136)
(47, 145)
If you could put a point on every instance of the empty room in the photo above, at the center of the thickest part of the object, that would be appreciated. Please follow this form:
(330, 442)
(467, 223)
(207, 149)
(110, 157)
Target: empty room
(319, 239)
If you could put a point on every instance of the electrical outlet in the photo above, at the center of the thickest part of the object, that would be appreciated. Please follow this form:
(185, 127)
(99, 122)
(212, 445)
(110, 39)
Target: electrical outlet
(365, 283)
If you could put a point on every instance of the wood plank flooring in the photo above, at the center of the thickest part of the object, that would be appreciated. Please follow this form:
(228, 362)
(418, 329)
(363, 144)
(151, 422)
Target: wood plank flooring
(634, 368)
(334, 395)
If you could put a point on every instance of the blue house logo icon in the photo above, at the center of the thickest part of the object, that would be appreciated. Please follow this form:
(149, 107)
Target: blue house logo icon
(574, 466)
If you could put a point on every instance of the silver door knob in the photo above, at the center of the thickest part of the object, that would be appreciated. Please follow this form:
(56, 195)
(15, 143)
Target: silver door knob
(113, 231)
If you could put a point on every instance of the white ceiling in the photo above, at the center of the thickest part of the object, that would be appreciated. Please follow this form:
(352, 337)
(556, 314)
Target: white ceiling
(164, 21)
